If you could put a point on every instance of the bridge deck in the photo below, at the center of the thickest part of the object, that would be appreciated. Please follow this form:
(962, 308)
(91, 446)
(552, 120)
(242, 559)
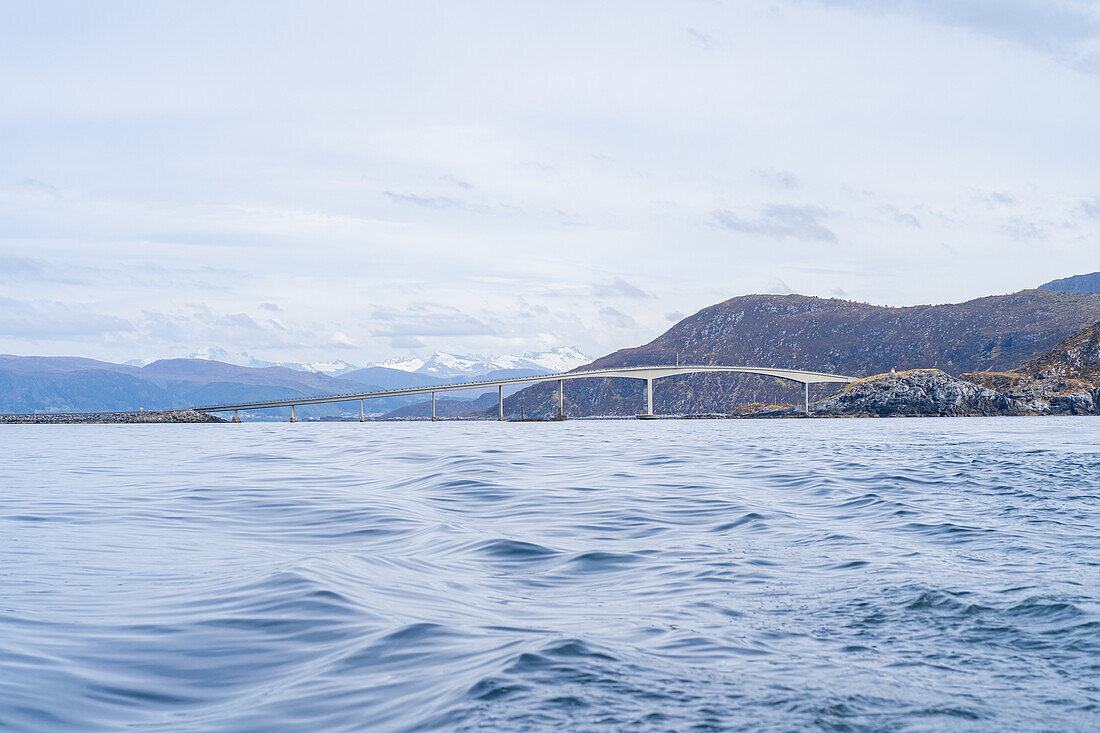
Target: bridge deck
(645, 373)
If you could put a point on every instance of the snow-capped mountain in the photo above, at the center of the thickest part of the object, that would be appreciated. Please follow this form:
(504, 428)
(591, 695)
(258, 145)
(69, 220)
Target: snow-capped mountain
(403, 363)
(440, 364)
(447, 366)
(558, 359)
(331, 368)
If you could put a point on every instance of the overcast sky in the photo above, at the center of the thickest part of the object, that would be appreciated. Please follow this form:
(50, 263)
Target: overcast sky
(306, 181)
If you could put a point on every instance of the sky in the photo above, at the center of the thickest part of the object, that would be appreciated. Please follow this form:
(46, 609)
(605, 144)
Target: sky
(358, 180)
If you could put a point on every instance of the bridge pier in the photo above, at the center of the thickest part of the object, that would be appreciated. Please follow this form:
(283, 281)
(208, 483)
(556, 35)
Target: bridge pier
(561, 399)
(292, 413)
(433, 406)
(648, 415)
(362, 417)
(500, 402)
(806, 397)
(236, 417)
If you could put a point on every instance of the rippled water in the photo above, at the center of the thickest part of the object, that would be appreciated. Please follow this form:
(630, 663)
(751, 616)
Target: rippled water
(669, 575)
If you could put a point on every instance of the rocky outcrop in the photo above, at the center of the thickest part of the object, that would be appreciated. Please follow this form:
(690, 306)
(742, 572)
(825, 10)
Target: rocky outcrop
(146, 416)
(1081, 284)
(1063, 381)
(918, 392)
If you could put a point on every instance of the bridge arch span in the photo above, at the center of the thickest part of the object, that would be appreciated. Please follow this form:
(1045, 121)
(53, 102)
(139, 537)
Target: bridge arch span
(649, 374)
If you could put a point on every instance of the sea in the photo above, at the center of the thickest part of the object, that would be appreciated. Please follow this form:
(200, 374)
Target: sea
(669, 575)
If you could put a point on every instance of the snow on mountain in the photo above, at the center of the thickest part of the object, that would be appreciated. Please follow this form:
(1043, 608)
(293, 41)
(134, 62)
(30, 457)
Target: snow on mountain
(445, 365)
(559, 359)
(403, 363)
(467, 366)
(440, 364)
(331, 368)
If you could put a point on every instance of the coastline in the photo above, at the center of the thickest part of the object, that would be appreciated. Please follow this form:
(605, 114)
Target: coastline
(102, 418)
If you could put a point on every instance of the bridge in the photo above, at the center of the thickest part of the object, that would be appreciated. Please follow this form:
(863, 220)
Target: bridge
(649, 374)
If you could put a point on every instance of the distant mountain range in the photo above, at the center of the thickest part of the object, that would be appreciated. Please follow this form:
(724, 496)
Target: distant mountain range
(467, 366)
(72, 384)
(440, 364)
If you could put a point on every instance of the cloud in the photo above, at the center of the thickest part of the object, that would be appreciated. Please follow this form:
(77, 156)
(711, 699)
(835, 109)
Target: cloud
(458, 182)
(240, 320)
(838, 293)
(38, 320)
(903, 217)
(778, 179)
(1090, 208)
(12, 267)
(1067, 30)
(616, 319)
(619, 288)
(341, 340)
(1000, 198)
(779, 221)
(406, 342)
(427, 202)
(1022, 230)
(270, 307)
(778, 287)
(675, 316)
(424, 319)
(41, 187)
(701, 39)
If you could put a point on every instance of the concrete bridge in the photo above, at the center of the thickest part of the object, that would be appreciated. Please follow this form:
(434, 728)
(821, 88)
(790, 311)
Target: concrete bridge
(647, 373)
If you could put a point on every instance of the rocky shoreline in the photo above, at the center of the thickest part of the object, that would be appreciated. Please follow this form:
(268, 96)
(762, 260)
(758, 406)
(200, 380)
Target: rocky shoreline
(95, 418)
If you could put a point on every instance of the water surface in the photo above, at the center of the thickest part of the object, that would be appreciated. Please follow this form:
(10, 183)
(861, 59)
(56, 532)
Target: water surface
(670, 575)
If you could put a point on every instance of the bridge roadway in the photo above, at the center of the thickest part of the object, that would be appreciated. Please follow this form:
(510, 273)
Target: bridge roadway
(647, 373)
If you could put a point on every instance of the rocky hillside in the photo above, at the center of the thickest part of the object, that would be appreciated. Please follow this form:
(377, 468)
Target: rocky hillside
(1064, 380)
(1081, 284)
(992, 333)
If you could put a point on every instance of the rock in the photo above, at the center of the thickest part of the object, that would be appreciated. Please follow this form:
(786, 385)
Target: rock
(145, 416)
(1063, 381)
(918, 392)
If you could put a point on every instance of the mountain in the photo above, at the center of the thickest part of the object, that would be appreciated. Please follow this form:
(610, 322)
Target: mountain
(1080, 284)
(332, 368)
(444, 407)
(401, 363)
(1064, 380)
(829, 335)
(71, 384)
(464, 367)
(379, 378)
(1077, 358)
